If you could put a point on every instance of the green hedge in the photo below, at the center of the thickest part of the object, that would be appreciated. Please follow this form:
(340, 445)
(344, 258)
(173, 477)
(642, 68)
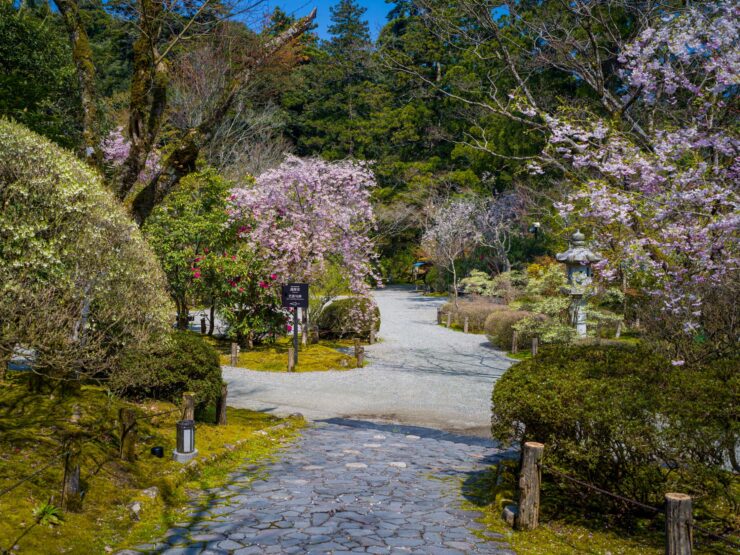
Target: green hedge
(349, 317)
(476, 310)
(498, 327)
(624, 418)
(185, 362)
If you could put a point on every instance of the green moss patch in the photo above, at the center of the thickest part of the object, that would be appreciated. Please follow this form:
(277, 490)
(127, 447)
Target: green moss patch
(32, 427)
(318, 357)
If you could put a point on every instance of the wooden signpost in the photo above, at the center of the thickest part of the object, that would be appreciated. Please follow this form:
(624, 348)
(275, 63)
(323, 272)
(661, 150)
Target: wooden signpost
(295, 296)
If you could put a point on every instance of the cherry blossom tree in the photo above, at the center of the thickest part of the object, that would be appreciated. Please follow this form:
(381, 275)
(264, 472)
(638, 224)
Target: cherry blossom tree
(665, 206)
(452, 232)
(309, 214)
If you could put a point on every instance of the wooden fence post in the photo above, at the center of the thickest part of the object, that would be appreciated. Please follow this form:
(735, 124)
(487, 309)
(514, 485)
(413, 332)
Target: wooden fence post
(618, 334)
(678, 522)
(449, 319)
(465, 325)
(535, 346)
(291, 359)
(188, 406)
(203, 329)
(359, 353)
(129, 431)
(439, 315)
(371, 339)
(234, 354)
(71, 491)
(514, 342)
(221, 405)
(530, 477)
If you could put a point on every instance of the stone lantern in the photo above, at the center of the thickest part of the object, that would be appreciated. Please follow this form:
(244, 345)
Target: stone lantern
(578, 259)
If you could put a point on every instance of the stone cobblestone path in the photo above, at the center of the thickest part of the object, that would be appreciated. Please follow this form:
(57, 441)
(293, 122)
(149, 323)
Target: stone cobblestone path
(347, 487)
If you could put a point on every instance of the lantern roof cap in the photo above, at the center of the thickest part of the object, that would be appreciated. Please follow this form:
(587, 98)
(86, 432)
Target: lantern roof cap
(578, 253)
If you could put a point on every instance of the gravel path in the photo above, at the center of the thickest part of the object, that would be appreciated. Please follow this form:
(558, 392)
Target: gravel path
(419, 374)
(346, 487)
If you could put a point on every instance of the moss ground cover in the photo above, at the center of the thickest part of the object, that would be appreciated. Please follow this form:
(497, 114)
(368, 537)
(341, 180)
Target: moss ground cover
(318, 357)
(31, 426)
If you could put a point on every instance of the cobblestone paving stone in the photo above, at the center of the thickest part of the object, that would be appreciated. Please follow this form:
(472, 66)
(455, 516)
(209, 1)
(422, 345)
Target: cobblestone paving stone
(346, 487)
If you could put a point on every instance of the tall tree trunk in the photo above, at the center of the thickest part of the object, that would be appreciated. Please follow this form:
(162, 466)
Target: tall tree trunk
(85, 68)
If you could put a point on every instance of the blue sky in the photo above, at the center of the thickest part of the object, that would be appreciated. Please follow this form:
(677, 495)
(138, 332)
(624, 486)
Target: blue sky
(375, 14)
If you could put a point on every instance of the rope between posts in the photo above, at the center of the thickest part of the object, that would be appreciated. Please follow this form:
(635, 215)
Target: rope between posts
(600, 490)
(39, 471)
(695, 526)
(158, 414)
(715, 536)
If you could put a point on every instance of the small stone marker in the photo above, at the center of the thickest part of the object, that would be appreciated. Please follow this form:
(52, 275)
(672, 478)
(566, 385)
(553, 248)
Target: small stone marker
(188, 406)
(535, 345)
(449, 319)
(509, 514)
(465, 325)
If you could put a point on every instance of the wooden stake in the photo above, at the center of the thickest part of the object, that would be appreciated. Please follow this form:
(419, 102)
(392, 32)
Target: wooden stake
(291, 359)
(221, 406)
(234, 354)
(128, 429)
(359, 353)
(203, 329)
(465, 325)
(530, 478)
(678, 523)
(71, 491)
(439, 316)
(514, 342)
(188, 406)
(535, 345)
(449, 319)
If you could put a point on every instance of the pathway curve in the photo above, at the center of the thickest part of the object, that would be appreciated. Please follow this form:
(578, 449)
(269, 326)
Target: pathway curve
(347, 487)
(419, 374)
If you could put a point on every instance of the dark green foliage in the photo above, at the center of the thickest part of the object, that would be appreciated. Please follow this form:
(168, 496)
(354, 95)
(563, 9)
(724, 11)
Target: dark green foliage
(625, 419)
(351, 317)
(182, 362)
(38, 86)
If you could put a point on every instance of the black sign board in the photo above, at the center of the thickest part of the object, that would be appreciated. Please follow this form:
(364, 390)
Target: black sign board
(295, 295)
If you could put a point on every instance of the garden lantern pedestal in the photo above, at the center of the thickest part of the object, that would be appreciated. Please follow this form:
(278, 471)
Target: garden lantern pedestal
(578, 259)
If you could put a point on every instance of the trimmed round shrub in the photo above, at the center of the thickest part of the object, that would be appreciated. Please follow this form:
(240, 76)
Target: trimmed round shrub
(498, 327)
(350, 317)
(623, 418)
(477, 311)
(184, 362)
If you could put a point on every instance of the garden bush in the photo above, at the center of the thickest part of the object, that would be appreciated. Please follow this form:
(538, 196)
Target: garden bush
(672, 429)
(348, 317)
(183, 362)
(499, 330)
(476, 309)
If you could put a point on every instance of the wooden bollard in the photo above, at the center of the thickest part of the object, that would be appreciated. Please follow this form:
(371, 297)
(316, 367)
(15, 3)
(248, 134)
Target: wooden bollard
(203, 329)
(291, 359)
(439, 316)
(359, 353)
(234, 354)
(449, 319)
(678, 524)
(221, 406)
(535, 346)
(530, 477)
(618, 333)
(371, 337)
(465, 325)
(188, 406)
(514, 342)
(71, 490)
(128, 428)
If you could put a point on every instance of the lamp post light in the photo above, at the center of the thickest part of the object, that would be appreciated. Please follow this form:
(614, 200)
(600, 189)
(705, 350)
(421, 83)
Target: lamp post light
(185, 449)
(578, 259)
